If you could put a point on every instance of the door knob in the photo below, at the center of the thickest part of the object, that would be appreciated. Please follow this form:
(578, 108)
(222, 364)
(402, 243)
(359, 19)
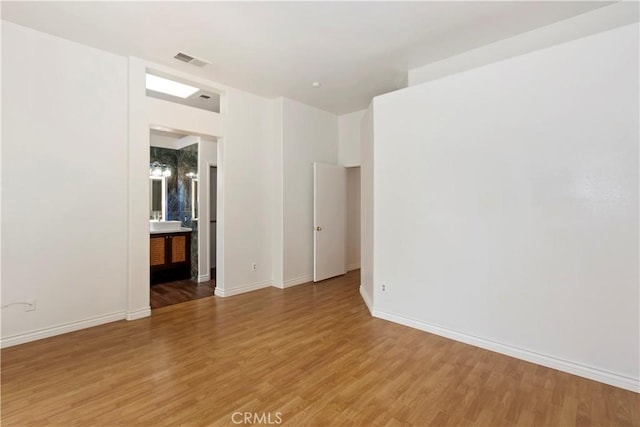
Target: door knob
(318, 228)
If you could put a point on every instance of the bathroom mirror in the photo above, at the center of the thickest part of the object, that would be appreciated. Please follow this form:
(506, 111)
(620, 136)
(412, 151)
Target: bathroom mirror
(157, 197)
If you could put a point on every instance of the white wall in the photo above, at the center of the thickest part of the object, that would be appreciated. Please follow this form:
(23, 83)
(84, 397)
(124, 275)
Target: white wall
(605, 18)
(506, 206)
(64, 173)
(185, 119)
(138, 193)
(309, 135)
(245, 171)
(349, 138)
(366, 207)
(167, 140)
(162, 140)
(353, 218)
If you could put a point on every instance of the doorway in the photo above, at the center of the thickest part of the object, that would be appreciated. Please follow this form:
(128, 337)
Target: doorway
(336, 220)
(175, 219)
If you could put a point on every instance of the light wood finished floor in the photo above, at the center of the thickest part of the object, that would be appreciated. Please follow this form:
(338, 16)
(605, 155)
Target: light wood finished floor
(312, 353)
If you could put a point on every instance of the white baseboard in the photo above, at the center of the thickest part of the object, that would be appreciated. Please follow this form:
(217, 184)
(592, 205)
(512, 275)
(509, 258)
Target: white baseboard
(242, 289)
(294, 282)
(204, 278)
(367, 299)
(298, 281)
(305, 279)
(138, 314)
(39, 334)
(352, 267)
(616, 380)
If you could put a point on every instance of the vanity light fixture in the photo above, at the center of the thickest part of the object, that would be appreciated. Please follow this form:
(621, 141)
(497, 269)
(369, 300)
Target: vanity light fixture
(158, 169)
(170, 87)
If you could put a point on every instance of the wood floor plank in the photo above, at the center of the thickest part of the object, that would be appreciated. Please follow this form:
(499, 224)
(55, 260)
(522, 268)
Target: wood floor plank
(311, 353)
(164, 294)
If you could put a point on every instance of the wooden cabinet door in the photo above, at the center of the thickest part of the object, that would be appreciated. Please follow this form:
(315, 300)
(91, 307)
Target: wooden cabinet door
(178, 249)
(158, 251)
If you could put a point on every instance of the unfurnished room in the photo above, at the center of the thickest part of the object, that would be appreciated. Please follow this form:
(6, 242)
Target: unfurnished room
(314, 213)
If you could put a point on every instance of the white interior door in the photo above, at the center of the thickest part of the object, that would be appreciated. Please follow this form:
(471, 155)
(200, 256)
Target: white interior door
(330, 221)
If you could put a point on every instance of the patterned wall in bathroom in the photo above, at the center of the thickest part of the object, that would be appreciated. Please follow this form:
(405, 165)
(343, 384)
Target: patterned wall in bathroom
(188, 162)
(181, 162)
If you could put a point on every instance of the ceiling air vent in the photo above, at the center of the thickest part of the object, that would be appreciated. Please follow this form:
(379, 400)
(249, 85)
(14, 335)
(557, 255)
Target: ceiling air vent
(181, 56)
(205, 96)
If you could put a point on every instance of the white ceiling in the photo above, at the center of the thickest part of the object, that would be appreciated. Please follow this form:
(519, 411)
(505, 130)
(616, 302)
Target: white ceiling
(357, 50)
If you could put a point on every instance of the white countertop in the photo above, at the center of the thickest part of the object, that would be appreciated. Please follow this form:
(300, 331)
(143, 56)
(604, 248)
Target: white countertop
(182, 230)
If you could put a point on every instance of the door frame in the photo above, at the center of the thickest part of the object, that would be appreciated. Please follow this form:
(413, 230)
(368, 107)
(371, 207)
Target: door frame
(140, 124)
(219, 213)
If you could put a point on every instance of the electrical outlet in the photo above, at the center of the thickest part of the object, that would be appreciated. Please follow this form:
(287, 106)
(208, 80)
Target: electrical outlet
(254, 266)
(31, 305)
(384, 288)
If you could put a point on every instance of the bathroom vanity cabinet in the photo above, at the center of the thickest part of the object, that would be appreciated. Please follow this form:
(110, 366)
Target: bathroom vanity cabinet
(170, 256)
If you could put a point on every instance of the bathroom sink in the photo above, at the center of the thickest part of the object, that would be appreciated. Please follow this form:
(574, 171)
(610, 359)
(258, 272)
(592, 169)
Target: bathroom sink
(163, 226)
